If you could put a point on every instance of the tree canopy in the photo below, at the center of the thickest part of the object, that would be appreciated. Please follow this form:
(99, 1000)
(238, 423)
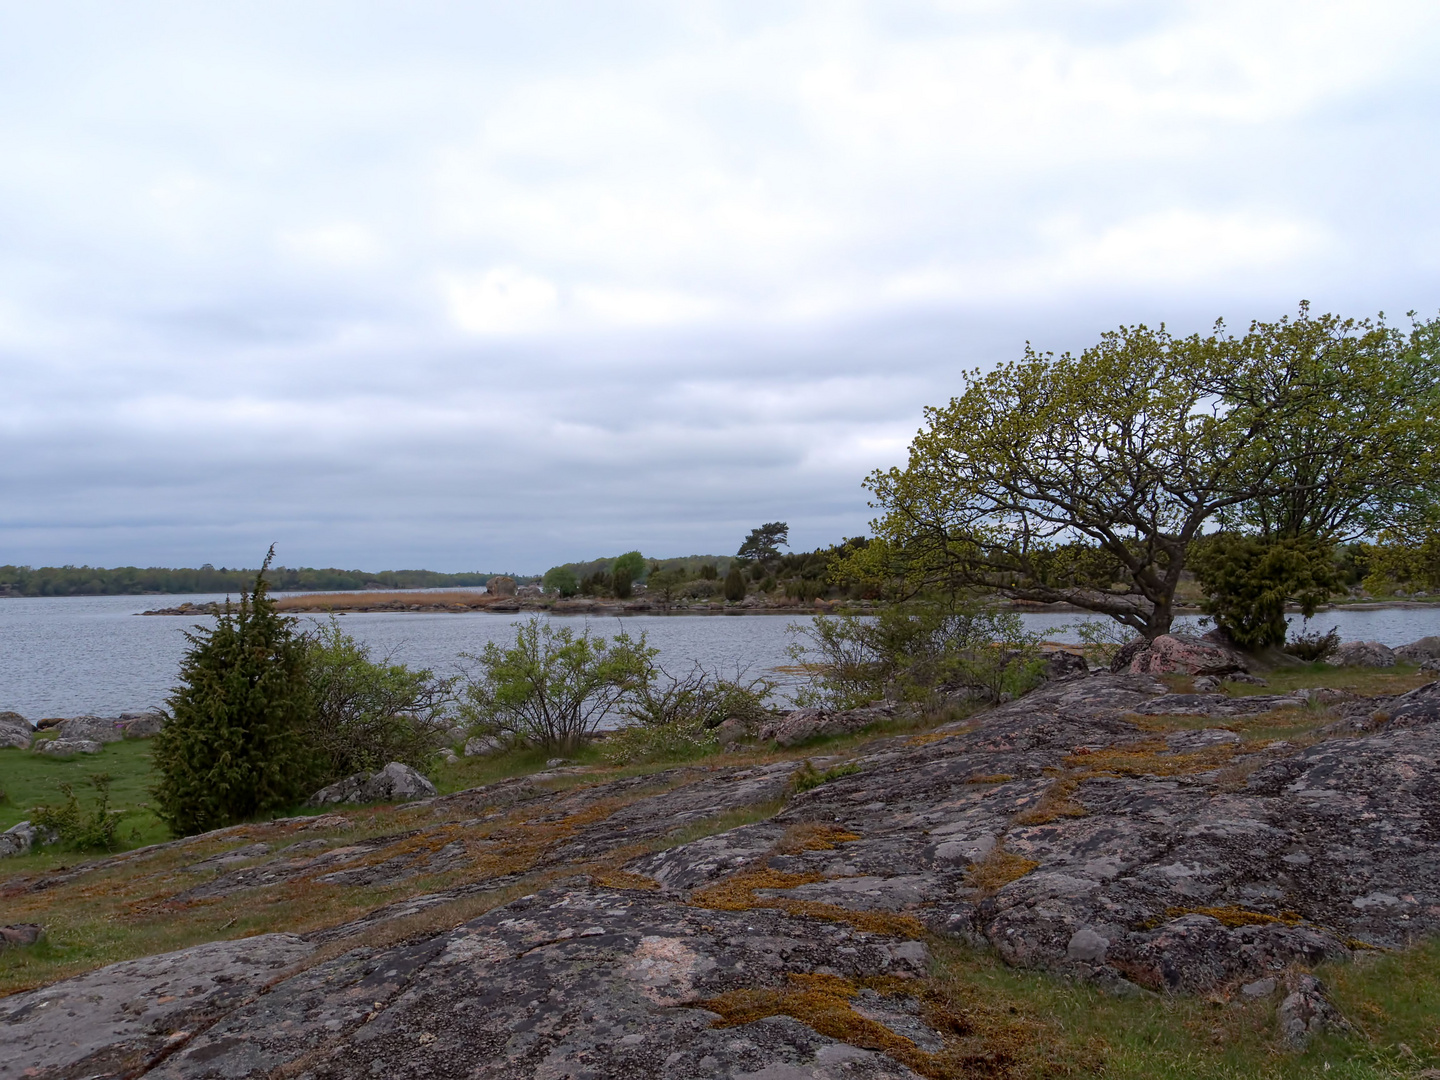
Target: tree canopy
(1086, 479)
(764, 543)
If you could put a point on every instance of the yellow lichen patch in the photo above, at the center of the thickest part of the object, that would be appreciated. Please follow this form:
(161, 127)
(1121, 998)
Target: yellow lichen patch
(622, 879)
(824, 1003)
(1234, 916)
(998, 869)
(1055, 803)
(813, 836)
(930, 737)
(1148, 759)
(737, 893)
(990, 778)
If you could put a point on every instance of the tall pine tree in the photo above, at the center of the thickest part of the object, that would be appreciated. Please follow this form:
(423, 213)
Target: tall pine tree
(234, 745)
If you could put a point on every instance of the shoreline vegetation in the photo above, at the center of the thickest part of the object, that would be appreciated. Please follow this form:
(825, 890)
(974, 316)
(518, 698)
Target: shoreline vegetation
(460, 603)
(160, 580)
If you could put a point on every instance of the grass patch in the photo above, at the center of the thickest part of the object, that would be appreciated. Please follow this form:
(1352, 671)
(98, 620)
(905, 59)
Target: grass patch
(1070, 1028)
(807, 776)
(997, 869)
(32, 780)
(1366, 682)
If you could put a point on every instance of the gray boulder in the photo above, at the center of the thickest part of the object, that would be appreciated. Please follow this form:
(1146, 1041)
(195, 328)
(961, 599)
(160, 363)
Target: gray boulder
(1431, 665)
(93, 728)
(1417, 652)
(63, 747)
(15, 731)
(483, 746)
(1370, 654)
(144, 726)
(17, 839)
(20, 934)
(1179, 654)
(798, 725)
(1063, 664)
(394, 783)
(1306, 1012)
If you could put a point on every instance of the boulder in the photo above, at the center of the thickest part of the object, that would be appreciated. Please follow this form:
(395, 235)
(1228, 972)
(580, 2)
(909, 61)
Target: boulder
(1306, 1012)
(1417, 652)
(20, 934)
(483, 746)
(17, 839)
(94, 728)
(63, 747)
(1431, 665)
(1370, 654)
(501, 585)
(798, 725)
(144, 726)
(1179, 654)
(394, 783)
(732, 730)
(1063, 664)
(15, 731)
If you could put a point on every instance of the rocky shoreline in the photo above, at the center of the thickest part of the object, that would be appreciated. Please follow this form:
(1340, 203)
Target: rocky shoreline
(1105, 827)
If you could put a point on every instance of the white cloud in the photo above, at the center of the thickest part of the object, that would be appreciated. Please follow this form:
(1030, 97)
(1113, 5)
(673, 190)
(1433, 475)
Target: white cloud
(502, 301)
(637, 270)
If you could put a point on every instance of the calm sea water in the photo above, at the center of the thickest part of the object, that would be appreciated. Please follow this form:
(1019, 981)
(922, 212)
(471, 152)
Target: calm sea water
(67, 656)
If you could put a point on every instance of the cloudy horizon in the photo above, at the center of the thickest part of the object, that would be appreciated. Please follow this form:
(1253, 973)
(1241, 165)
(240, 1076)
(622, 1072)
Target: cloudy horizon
(497, 287)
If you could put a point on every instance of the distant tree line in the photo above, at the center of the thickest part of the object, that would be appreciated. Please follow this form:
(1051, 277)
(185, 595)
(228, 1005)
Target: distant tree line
(134, 580)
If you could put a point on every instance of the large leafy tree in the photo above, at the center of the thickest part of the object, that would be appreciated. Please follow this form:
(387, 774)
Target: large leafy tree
(235, 744)
(1086, 479)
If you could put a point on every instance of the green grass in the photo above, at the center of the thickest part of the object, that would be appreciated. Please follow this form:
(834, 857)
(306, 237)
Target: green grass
(31, 780)
(1393, 1001)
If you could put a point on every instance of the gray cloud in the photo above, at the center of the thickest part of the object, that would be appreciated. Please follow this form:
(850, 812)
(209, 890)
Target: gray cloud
(496, 285)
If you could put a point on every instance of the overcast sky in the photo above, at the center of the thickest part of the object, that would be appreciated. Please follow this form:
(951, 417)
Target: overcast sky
(496, 286)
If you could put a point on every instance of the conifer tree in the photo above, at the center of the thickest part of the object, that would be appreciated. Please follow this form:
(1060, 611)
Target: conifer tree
(734, 584)
(234, 745)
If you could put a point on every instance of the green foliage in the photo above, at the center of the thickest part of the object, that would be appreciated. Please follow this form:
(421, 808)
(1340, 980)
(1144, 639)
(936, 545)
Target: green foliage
(366, 714)
(708, 571)
(665, 585)
(683, 740)
(134, 580)
(1312, 645)
(631, 563)
(1402, 561)
(79, 829)
(553, 687)
(234, 746)
(1248, 580)
(807, 776)
(734, 585)
(698, 697)
(1086, 479)
(914, 651)
(764, 543)
(560, 580)
(620, 582)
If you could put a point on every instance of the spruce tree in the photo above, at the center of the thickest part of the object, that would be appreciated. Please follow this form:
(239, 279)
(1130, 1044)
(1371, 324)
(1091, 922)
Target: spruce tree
(734, 584)
(234, 745)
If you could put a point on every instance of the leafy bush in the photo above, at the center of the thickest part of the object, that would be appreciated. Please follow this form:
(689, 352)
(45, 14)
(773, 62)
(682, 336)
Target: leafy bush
(234, 745)
(620, 582)
(553, 687)
(560, 580)
(677, 741)
(708, 571)
(95, 829)
(699, 696)
(1314, 645)
(914, 651)
(366, 714)
(1102, 639)
(1248, 580)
